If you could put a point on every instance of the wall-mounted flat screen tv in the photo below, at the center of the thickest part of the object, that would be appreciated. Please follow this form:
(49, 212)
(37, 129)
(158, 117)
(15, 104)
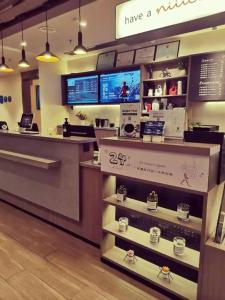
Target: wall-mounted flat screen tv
(82, 90)
(120, 87)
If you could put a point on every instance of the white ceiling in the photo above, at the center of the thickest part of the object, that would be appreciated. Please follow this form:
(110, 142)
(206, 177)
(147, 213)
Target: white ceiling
(100, 18)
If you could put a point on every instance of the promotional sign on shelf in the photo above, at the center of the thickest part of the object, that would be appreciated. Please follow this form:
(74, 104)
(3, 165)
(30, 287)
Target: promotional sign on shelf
(130, 114)
(137, 16)
(175, 121)
(179, 170)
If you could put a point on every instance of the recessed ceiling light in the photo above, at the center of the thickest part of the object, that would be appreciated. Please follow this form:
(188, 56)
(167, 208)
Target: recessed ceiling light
(50, 29)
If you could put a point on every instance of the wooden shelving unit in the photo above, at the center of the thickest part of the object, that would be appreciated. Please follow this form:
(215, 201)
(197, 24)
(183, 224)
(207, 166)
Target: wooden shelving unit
(166, 73)
(168, 215)
(165, 78)
(187, 270)
(179, 286)
(165, 247)
(164, 96)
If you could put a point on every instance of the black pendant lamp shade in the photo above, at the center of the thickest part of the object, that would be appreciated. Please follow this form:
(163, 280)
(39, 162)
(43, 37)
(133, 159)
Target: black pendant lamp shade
(23, 63)
(47, 55)
(3, 66)
(79, 49)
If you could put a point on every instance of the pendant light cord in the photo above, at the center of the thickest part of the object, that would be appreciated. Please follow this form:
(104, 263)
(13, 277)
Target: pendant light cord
(46, 22)
(22, 34)
(2, 44)
(79, 16)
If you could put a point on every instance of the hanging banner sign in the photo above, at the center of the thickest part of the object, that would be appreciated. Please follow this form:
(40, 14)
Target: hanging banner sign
(137, 16)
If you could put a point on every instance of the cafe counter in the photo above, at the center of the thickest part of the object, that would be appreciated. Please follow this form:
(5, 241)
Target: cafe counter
(42, 175)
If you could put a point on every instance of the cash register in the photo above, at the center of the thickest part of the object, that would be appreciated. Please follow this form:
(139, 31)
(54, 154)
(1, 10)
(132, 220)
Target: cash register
(26, 125)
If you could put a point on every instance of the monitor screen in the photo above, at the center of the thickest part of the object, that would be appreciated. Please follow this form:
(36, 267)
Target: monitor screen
(120, 87)
(82, 90)
(26, 121)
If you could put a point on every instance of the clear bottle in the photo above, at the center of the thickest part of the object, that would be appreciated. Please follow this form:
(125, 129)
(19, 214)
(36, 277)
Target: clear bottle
(155, 104)
(152, 201)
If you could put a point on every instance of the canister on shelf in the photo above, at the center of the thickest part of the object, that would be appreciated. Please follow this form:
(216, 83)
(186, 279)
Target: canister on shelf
(179, 88)
(183, 210)
(121, 193)
(123, 224)
(155, 234)
(179, 245)
(152, 201)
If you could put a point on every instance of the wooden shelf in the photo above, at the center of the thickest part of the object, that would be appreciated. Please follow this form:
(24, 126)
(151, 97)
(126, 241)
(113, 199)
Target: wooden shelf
(164, 214)
(179, 286)
(158, 62)
(164, 96)
(30, 160)
(164, 247)
(165, 79)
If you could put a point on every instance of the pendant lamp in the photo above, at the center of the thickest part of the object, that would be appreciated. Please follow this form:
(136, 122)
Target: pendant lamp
(47, 55)
(79, 49)
(3, 66)
(23, 63)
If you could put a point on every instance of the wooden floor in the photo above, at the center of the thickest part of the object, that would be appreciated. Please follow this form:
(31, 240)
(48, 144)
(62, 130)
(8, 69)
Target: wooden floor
(40, 262)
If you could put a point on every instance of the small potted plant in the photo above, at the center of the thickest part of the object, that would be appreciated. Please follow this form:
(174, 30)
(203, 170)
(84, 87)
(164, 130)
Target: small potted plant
(181, 68)
(121, 193)
(82, 117)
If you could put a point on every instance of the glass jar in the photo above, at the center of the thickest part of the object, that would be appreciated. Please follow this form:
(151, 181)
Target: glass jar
(155, 234)
(121, 194)
(183, 211)
(123, 224)
(179, 244)
(152, 201)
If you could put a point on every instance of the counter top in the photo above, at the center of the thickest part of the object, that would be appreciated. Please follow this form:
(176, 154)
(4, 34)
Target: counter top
(89, 164)
(176, 146)
(106, 128)
(51, 138)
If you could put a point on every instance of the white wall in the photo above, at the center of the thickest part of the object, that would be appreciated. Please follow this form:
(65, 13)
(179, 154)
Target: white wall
(11, 111)
(52, 111)
(110, 112)
(207, 113)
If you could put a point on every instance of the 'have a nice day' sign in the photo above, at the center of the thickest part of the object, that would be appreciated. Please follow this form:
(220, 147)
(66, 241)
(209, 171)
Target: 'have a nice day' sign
(137, 16)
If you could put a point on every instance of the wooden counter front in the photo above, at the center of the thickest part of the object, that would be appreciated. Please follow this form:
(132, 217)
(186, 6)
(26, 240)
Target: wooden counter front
(43, 171)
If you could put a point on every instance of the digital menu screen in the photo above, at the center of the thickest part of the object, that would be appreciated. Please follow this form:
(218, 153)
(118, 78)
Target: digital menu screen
(82, 90)
(207, 77)
(120, 87)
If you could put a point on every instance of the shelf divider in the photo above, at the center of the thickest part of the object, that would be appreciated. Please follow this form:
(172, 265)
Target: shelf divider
(164, 96)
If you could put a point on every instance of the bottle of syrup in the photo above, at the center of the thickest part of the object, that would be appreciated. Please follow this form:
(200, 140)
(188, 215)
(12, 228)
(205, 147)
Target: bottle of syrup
(66, 128)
